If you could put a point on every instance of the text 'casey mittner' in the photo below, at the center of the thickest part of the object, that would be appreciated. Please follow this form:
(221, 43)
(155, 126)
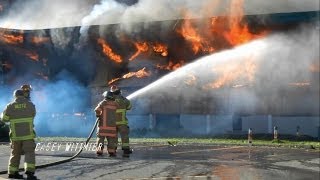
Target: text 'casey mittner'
(69, 146)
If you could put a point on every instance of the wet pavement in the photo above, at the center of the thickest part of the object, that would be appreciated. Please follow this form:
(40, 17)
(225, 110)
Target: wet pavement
(184, 161)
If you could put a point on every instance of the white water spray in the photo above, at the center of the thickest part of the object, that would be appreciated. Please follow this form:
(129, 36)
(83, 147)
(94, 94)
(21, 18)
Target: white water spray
(266, 68)
(204, 66)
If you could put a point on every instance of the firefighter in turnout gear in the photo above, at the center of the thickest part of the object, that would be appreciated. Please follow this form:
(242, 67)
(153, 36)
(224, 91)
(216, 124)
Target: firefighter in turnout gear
(20, 114)
(122, 121)
(106, 112)
(26, 88)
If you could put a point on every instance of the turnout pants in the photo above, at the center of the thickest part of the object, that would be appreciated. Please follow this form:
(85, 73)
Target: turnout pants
(123, 130)
(17, 148)
(111, 146)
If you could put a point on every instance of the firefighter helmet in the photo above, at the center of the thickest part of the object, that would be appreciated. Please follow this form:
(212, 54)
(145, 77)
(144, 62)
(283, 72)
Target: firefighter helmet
(108, 95)
(18, 93)
(26, 87)
(115, 90)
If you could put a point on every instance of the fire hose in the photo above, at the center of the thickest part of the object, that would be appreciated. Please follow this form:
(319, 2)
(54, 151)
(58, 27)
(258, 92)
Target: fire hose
(64, 160)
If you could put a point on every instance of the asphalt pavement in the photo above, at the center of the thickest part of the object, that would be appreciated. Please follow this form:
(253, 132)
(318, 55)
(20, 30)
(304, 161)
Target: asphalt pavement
(181, 161)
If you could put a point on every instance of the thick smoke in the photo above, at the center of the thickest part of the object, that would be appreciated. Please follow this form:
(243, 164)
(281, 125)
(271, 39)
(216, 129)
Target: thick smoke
(44, 14)
(62, 106)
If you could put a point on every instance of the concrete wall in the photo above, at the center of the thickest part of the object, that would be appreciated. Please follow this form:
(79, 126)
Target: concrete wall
(288, 125)
(195, 124)
(259, 123)
(224, 124)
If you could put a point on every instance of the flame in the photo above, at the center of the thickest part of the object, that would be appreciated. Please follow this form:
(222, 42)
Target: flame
(190, 34)
(108, 51)
(238, 33)
(141, 47)
(39, 40)
(170, 66)
(160, 48)
(32, 55)
(10, 38)
(113, 80)
(244, 71)
(139, 74)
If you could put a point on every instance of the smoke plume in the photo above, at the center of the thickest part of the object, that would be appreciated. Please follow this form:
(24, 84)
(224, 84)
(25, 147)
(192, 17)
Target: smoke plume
(61, 105)
(45, 14)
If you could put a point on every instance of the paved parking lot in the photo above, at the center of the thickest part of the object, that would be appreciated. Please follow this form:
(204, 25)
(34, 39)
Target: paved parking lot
(184, 161)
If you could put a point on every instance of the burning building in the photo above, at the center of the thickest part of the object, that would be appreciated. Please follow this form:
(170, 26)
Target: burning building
(239, 74)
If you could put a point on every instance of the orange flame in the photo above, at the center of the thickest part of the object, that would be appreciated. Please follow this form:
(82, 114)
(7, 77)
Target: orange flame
(33, 55)
(238, 33)
(141, 47)
(170, 66)
(190, 34)
(39, 40)
(108, 51)
(139, 74)
(244, 71)
(160, 48)
(10, 38)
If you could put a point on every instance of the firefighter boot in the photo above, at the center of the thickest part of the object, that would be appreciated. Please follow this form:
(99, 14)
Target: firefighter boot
(31, 176)
(126, 153)
(16, 175)
(99, 151)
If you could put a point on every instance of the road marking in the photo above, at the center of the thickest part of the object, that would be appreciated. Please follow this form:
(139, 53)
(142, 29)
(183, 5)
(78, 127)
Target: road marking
(216, 149)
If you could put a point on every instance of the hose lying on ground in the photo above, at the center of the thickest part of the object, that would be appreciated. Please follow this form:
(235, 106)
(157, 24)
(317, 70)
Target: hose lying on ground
(64, 160)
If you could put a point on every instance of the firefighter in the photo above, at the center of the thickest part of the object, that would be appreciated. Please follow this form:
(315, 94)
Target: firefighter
(20, 114)
(122, 121)
(106, 112)
(26, 88)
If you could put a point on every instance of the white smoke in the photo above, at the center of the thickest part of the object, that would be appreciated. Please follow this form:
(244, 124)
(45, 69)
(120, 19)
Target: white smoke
(45, 14)
(61, 38)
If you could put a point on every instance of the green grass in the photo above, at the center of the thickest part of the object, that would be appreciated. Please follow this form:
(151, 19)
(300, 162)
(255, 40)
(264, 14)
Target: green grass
(208, 141)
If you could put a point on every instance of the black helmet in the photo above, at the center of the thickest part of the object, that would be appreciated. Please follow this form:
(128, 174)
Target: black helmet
(26, 87)
(18, 93)
(115, 90)
(108, 95)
